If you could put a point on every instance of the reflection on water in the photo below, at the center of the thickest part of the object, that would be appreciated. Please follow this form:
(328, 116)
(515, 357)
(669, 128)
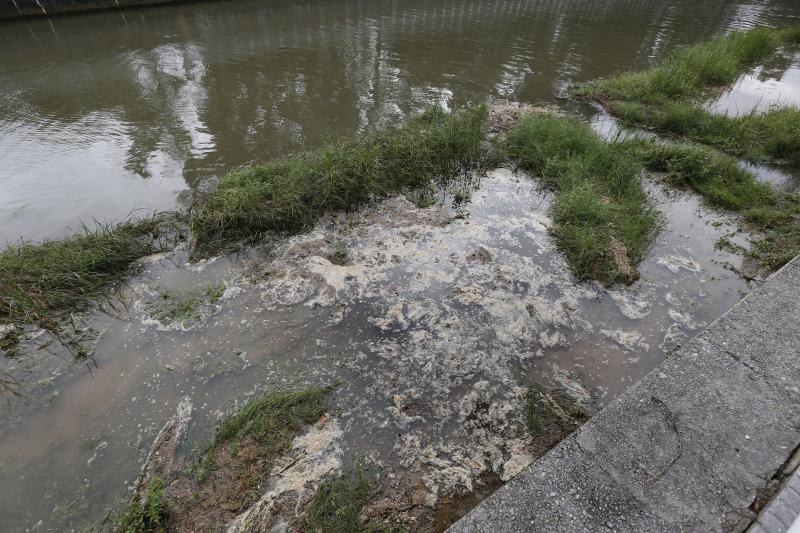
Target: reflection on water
(104, 113)
(776, 83)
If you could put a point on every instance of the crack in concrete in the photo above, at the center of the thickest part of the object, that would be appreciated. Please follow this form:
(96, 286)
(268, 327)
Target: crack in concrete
(673, 420)
(742, 362)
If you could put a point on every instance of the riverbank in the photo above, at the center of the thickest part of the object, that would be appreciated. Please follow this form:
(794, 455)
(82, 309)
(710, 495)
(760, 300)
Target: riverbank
(701, 442)
(669, 97)
(604, 221)
(425, 311)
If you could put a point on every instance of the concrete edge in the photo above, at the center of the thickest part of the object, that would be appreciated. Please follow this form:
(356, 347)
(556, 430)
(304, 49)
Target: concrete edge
(732, 389)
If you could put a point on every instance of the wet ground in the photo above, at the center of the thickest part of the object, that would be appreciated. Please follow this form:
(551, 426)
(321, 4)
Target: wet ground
(437, 319)
(436, 324)
(102, 114)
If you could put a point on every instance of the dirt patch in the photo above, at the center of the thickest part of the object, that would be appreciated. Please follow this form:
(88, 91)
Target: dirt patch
(245, 484)
(504, 114)
(619, 253)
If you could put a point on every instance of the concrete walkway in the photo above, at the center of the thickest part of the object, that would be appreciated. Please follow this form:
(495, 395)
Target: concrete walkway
(783, 512)
(700, 444)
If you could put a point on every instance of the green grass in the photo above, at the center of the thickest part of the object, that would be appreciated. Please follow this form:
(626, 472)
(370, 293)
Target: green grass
(146, 514)
(715, 176)
(44, 283)
(271, 422)
(337, 506)
(668, 97)
(214, 292)
(771, 136)
(338, 255)
(338, 503)
(289, 195)
(723, 184)
(691, 71)
(599, 200)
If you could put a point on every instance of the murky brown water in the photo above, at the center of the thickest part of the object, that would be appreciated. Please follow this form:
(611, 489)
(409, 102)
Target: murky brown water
(104, 113)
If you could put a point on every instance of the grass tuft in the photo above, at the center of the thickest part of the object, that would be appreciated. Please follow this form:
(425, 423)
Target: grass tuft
(604, 221)
(289, 195)
(43, 283)
(691, 71)
(338, 503)
(339, 254)
(270, 422)
(715, 176)
(772, 136)
(146, 514)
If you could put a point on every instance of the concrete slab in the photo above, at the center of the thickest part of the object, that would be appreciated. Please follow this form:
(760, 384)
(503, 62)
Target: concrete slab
(690, 447)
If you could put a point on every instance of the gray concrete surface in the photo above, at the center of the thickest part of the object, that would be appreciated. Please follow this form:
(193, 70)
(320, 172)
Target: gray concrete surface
(694, 446)
(783, 512)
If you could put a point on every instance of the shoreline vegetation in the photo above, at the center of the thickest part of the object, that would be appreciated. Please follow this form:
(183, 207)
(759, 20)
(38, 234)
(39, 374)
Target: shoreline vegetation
(604, 222)
(226, 477)
(289, 195)
(45, 284)
(669, 97)
(701, 145)
(723, 184)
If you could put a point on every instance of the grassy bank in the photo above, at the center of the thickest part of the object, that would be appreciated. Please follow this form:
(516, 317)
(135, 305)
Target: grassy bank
(232, 467)
(43, 283)
(604, 221)
(669, 96)
(267, 424)
(723, 184)
(147, 514)
(771, 136)
(289, 195)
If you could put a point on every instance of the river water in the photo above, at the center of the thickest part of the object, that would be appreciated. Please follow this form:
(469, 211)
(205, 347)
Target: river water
(103, 114)
(439, 312)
